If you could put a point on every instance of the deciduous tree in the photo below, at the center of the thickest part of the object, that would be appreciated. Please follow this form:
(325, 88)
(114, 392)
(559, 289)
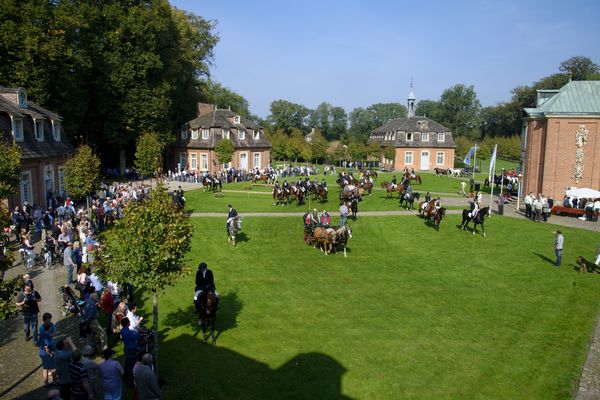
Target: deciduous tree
(459, 110)
(287, 115)
(579, 68)
(82, 173)
(223, 97)
(10, 168)
(149, 154)
(224, 151)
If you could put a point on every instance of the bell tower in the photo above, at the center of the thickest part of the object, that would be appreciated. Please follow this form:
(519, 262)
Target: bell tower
(410, 106)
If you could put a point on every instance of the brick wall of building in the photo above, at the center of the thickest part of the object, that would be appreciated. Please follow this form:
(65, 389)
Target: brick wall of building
(399, 161)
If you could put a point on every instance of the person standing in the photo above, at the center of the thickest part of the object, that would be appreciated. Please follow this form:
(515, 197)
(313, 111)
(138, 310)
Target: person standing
(529, 206)
(558, 247)
(597, 262)
(62, 359)
(130, 345)
(68, 262)
(463, 186)
(27, 301)
(501, 201)
(343, 214)
(145, 380)
(80, 384)
(110, 375)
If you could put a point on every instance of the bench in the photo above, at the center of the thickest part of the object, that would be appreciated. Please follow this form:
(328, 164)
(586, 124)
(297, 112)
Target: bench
(567, 210)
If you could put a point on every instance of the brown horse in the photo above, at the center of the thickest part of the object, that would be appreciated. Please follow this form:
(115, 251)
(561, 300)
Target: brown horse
(440, 172)
(411, 177)
(391, 190)
(329, 238)
(437, 217)
(367, 185)
(206, 304)
(322, 193)
(261, 178)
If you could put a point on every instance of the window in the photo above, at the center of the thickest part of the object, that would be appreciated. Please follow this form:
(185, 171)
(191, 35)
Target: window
(26, 194)
(205, 133)
(48, 178)
(22, 98)
(408, 157)
(256, 160)
(256, 134)
(184, 133)
(225, 133)
(194, 160)
(204, 158)
(39, 130)
(439, 158)
(441, 137)
(18, 129)
(425, 137)
(409, 136)
(236, 119)
(61, 179)
(182, 161)
(194, 134)
(241, 134)
(56, 130)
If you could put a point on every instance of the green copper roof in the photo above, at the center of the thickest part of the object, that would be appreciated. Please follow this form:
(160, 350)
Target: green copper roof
(575, 98)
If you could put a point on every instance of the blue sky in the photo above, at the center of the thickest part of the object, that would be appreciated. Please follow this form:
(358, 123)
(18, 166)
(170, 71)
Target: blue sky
(356, 53)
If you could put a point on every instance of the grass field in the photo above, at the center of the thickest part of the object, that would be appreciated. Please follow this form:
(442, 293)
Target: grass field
(410, 313)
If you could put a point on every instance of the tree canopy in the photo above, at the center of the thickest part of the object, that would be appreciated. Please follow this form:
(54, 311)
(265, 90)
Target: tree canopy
(364, 120)
(82, 173)
(10, 168)
(149, 154)
(579, 68)
(223, 97)
(224, 151)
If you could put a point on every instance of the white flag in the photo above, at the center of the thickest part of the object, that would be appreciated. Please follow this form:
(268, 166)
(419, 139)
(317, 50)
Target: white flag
(493, 163)
(467, 159)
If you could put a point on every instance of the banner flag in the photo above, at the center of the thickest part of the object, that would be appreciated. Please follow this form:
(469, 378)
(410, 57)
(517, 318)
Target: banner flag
(467, 159)
(493, 163)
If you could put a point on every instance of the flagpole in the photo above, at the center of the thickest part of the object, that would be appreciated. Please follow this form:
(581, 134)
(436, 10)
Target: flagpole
(492, 176)
(474, 161)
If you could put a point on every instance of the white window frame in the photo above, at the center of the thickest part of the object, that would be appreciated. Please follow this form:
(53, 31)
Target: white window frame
(437, 157)
(425, 136)
(409, 136)
(243, 154)
(56, 130)
(408, 158)
(205, 134)
(184, 133)
(256, 160)
(204, 162)
(256, 134)
(441, 137)
(26, 184)
(48, 174)
(242, 134)
(236, 119)
(194, 134)
(39, 131)
(194, 161)
(226, 133)
(17, 129)
(61, 179)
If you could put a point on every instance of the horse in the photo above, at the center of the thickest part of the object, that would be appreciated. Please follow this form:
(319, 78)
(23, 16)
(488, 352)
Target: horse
(262, 178)
(410, 201)
(178, 200)
(233, 228)
(391, 190)
(349, 192)
(322, 193)
(454, 172)
(354, 207)
(206, 304)
(367, 185)
(440, 171)
(437, 217)
(323, 238)
(478, 219)
(412, 177)
(300, 194)
(342, 235)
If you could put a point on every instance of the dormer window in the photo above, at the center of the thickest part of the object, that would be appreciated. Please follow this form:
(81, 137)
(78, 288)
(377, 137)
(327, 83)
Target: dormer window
(184, 133)
(205, 133)
(242, 134)
(425, 137)
(236, 119)
(256, 134)
(225, 133)
(22, 98)
(441, 137)
(194, 134)
(18, 129)
(39, 130)
(409, 136)
(56, 130)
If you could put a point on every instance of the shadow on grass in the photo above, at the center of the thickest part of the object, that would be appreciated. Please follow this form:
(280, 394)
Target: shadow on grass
(544, 258)
(226, 374)
(230, 307)
(242, 237)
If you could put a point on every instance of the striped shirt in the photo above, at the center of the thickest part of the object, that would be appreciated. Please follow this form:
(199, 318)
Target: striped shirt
(78, 375)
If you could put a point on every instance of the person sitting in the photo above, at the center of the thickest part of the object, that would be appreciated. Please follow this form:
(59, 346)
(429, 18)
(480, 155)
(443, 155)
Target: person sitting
(205, 282)
(393, 182)
(314, 217)
(230, 216)
(324, 185)
(412, 173)
(475, 210)
(286, 185)
(427, 197)
(408, 192)
(325, 219)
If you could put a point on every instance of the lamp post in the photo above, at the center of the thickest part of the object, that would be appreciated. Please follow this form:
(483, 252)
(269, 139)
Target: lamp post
(520, 176)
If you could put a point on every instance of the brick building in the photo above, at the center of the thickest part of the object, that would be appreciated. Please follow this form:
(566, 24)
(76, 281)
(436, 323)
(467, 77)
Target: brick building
(561, 140)
(44, 147)
(195, 146)
(420, 143)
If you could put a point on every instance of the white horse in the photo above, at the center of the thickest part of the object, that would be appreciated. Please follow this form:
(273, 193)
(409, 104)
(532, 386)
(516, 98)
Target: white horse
(454, 172)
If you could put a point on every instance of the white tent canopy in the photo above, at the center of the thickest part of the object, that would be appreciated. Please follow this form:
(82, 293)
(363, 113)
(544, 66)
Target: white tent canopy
(583, 193)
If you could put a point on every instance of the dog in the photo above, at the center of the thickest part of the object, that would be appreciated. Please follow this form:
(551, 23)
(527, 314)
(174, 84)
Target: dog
(585, 265)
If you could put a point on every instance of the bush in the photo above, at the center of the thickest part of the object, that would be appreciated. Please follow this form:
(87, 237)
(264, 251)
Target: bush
(8, 291)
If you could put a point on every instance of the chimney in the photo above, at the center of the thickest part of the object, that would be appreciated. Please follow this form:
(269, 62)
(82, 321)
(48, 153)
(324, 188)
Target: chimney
(205, 108)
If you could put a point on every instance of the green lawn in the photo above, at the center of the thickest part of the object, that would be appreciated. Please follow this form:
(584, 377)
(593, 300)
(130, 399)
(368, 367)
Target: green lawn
(410, 313)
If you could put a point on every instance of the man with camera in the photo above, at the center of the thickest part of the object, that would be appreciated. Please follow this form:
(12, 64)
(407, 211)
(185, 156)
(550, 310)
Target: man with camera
(27, 301)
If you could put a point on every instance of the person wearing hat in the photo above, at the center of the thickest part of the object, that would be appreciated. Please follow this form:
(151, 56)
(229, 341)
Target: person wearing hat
(230, 216)
(111, 373)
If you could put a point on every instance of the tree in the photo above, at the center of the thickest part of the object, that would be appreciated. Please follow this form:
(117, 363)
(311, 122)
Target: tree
(364, 120)
(357, 150)
(224, 151)
(429, 108)
(287, 115)
(215, 93)
(82, 173)
(294, 145)
(147, 247)
(389, 152)
(149, 154)
(278, 141)
(374, 150)
(463, 145)
(579, 68)
(319, 145)
(459, 110)
(339, 123)
(10, 168)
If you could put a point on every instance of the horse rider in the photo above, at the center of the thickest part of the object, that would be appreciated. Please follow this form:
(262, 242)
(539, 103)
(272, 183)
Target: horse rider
(205, 282)
(393, 182)
(437, 204)
(323, 184)
(325, 219)
(408, 192)
(427, 197)
(476, 206)
(276, 187)
(286, 185)
(412, 173)
(230, 216)
(314, 217)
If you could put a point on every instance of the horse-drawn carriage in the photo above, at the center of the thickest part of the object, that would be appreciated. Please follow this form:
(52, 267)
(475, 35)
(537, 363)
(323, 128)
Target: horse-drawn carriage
(328, 238)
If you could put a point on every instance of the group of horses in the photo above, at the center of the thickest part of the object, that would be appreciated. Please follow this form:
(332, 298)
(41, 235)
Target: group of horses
(453, 172)
(212, 183)
(328, 239)
(298, 191)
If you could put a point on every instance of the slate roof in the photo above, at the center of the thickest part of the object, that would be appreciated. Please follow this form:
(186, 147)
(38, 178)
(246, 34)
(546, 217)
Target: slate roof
(412, 124)
(575, 98)
(220, 119)
(30, 147)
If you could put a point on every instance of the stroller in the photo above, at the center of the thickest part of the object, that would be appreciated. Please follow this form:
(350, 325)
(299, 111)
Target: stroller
(72, 305)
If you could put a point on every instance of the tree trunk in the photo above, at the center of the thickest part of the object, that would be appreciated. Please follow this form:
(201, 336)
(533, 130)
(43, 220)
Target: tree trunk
(155, 328)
